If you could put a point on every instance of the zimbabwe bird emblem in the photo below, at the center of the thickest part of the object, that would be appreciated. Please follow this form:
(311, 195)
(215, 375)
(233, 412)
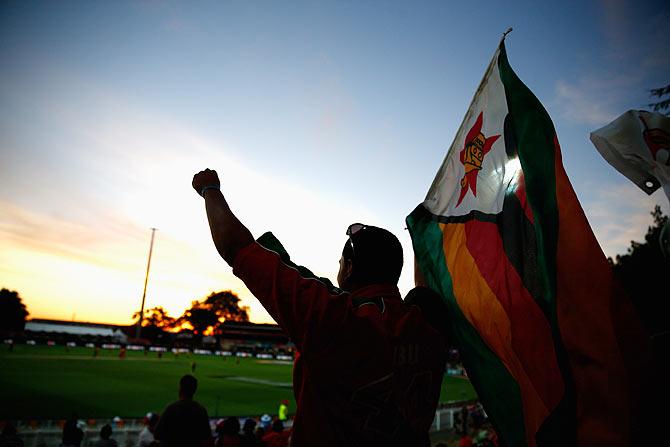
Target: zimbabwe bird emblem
(476, 146)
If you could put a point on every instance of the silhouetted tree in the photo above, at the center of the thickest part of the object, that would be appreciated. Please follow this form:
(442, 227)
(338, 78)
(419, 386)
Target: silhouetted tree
(226, 304)
(662, 105)
(13, 312)
(156, 316)
(200, 318)
(644, 273)
(213, 311)
(155, 324)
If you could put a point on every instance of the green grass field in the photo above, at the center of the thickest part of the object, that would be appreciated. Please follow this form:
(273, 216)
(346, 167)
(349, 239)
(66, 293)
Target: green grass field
(51, 382)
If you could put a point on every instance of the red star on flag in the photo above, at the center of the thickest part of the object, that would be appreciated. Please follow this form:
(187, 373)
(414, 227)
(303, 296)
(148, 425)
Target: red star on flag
(476, 146)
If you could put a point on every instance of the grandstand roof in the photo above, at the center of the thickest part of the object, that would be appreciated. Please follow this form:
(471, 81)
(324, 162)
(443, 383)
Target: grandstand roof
(75, 328)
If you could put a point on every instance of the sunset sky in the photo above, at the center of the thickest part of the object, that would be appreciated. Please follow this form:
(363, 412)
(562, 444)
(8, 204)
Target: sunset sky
(315, 114)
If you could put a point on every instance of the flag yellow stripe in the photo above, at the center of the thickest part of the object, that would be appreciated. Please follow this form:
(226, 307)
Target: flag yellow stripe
(485, 313)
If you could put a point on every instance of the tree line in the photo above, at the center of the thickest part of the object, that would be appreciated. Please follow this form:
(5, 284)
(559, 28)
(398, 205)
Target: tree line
(205, 316)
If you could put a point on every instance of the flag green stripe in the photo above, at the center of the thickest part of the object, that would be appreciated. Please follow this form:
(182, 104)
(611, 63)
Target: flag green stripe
(534, 135)
(521, 249)
(496, 387)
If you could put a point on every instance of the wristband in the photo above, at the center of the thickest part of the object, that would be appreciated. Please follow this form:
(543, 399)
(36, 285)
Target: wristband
(202, 191)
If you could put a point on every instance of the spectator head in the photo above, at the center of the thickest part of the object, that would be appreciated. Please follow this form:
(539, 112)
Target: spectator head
(260, 431)
(9, 429)
(187, 386)
(249, 425)
(106, 431)
(371, 255)
(70, 424)
(151, 420)
(277, 425)
(230, 426)
(266, 421)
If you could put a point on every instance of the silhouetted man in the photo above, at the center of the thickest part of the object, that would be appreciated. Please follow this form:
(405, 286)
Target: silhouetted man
(72, 434)
(184, 423)
(368, 368)
(106, 437)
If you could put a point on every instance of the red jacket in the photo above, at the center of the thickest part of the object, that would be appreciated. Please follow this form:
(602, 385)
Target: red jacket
(368, 370)
(276, 439)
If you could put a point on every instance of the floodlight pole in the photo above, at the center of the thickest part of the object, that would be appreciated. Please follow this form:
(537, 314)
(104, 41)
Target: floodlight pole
(146, 280)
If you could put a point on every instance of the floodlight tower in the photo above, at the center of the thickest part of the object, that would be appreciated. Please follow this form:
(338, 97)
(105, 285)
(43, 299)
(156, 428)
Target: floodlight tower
(146, 280)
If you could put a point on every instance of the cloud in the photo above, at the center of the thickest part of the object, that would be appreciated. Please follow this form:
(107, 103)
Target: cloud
(580, 102)
(621, 214)
(95, 240)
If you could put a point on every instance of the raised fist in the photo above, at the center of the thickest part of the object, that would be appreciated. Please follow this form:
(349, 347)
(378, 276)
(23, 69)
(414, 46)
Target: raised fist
(206, 179)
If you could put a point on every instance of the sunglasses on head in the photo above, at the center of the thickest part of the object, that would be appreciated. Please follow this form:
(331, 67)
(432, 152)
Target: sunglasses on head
(353, 229)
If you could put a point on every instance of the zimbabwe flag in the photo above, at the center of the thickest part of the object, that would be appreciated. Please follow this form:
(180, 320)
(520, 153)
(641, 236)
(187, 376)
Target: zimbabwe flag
(550, 343)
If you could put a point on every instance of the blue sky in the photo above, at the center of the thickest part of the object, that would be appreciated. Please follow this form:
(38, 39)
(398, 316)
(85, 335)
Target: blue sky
(316, 115)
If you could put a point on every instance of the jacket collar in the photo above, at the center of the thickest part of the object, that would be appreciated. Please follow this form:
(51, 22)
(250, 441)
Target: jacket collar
(377, 290)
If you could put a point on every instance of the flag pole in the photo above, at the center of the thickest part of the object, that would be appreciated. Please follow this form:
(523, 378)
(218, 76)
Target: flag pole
(146, 280)
(502, 39)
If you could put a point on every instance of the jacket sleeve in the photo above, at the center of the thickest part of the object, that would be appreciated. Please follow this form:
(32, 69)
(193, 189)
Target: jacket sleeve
(299, 302)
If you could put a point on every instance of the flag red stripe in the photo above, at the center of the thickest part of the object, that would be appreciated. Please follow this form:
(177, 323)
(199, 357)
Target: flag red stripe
(483, 310)
(531, 333)
(587, 300)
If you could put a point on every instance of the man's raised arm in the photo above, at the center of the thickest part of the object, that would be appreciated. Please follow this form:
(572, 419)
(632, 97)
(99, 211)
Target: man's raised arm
(228, 233)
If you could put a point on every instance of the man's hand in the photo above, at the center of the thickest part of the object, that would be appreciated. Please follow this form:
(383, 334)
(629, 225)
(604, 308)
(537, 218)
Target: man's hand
(205, 178)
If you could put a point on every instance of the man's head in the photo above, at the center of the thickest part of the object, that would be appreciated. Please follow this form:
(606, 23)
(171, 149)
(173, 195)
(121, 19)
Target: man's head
(187, 386)
(106, 431)
(371, 255)
(151, 420)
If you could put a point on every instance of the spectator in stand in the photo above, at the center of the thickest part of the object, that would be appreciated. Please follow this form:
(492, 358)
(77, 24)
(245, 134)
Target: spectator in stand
(266, 422)
(72, 434)
(283, 410)
(229, 433)
(146, 438)
(184, 422)
(9, 437)
(106, 437)
(464, 420)
(277, 437)
(493, 438)
(465, 441)
(248, 437)
(260, 432)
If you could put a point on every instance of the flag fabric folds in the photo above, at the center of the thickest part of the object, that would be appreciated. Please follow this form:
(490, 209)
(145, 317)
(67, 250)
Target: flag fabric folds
(637, 144)
(534, 309)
